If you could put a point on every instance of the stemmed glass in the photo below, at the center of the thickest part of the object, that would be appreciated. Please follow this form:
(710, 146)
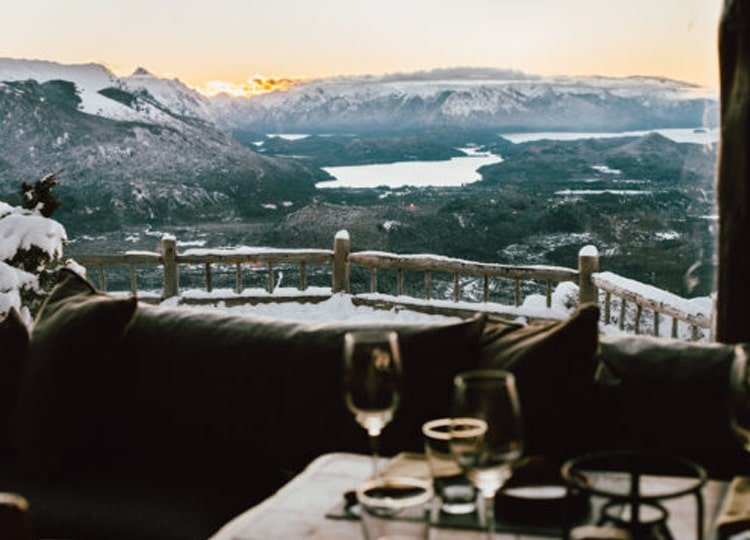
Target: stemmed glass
(372, 381)
(486, 432)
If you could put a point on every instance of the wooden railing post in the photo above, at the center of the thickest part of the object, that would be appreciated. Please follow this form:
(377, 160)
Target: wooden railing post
(169, 261)
(341, 248)
(588, 263)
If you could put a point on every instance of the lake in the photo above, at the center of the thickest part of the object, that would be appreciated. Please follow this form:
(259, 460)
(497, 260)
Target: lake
(463, 170)
(453, 172)
(696, 135)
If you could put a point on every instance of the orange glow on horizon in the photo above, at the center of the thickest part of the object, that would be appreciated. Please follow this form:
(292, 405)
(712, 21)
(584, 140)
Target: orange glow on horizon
(256, 85)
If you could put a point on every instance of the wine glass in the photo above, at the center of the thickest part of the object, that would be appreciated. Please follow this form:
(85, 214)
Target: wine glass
(486, 432)
(372, 381)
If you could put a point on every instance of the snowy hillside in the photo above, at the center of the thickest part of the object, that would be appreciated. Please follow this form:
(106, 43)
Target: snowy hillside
(473, 98)
(146, 98)
(500, 99)
(172, 93)
(90, 80)
(124, 151)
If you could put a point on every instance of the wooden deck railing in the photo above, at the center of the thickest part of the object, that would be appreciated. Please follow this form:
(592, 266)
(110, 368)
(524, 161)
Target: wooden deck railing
(171, 260)
(647, 298)
(340, 258)
(428, 264)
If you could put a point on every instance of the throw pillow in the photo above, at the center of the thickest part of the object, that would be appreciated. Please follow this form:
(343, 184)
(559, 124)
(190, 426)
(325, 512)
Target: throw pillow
(14, 339)
(554, 366)
(668, 396)
(239, 393)
(73, 380)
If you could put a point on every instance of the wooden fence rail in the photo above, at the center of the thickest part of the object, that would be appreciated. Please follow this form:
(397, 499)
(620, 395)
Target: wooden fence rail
(171, 260)
(428, 264)
(644, 298)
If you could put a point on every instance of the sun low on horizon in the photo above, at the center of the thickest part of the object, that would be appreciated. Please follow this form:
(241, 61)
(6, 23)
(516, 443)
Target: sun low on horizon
(254, 86)
(225, 46)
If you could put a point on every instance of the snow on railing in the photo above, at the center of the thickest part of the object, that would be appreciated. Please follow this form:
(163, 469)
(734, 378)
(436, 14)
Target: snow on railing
(457, 267)
(171, 260)
(659, 302)
(628, 294)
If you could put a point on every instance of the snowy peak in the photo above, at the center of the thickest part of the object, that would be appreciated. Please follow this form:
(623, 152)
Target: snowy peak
(172, 93)
(485, 98)
(85, 76)
(102, 93)
(141, 72)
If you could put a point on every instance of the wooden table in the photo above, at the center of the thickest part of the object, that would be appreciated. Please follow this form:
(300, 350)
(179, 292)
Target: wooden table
(297, 510)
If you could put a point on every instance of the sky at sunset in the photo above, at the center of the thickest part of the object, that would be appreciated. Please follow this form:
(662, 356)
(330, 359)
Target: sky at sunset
(231, 41)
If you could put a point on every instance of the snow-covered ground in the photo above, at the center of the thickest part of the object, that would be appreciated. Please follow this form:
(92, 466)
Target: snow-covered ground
(342, 308)
(337, 308)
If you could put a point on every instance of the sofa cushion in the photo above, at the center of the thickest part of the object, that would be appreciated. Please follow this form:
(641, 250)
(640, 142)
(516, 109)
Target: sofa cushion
(14, 340)
(554, 366)
(239, 394)
(71, 382)
(668, 396)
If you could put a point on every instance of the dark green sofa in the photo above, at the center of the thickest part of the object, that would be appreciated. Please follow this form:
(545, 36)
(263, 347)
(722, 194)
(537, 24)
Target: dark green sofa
(125, 420)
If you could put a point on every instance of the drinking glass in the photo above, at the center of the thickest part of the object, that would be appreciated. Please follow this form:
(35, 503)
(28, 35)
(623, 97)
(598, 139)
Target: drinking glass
(372, 381)
(395, 508)
(486, 432)
(455, 493)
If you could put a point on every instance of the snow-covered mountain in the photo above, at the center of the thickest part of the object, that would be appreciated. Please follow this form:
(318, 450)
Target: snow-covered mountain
(146, 146)
(499, 99)
(137, 146)
(172, 93)
(98, 89)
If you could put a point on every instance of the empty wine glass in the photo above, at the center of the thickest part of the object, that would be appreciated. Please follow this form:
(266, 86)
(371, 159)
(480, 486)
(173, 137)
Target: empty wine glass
(372, 381)
(486, 432)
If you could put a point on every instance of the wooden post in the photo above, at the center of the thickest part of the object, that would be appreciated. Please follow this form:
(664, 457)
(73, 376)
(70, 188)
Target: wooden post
(485, 288)
(517, 293)
(341, 248)
(549, 294)
(657, 321)
(133, 280)
(608, 308)
(373, 279)
(102, 278)
(456, 287)
(271, 281)
(638, 315)
(588, 264)
(399, 281)
(302, 276)
(428, 285)
(733, 188)
(238, 285)
(171, 270)
(209, 278)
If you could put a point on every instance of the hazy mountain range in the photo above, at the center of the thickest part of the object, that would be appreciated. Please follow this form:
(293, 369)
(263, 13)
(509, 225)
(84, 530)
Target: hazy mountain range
(476, 98)
(142, 147)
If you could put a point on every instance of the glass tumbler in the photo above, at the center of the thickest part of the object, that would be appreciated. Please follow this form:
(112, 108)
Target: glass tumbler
(454, 491)
(395, 508)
